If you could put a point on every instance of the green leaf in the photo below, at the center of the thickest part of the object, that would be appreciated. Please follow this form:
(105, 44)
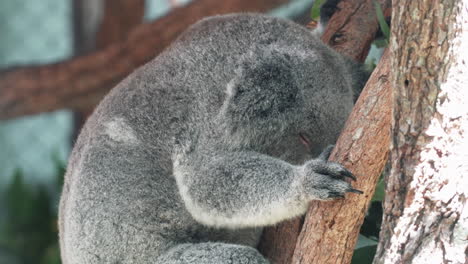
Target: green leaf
(381, 18)
(315, 11)
(19, 203)
(379, 193)
(51, 255)
(28, 227)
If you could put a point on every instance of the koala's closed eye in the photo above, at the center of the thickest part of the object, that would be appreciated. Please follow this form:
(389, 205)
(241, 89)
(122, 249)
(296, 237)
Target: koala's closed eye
(265, 86)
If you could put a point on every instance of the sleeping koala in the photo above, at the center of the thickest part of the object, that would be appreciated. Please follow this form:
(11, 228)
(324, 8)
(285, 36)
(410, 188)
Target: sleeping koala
(190, 156)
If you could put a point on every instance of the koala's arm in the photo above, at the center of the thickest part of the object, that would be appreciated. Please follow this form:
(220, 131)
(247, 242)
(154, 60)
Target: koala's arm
(246, 189)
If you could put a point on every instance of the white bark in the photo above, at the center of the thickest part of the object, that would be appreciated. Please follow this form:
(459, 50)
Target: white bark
(432, 226)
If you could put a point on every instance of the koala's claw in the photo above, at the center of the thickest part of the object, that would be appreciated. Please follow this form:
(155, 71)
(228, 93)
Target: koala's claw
(328, 180)
(348, 174)
(355, 191)
(333, 169)
(336, 195)
(343, 172)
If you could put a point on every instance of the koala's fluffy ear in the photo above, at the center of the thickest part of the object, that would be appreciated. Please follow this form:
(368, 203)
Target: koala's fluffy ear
(263, 87)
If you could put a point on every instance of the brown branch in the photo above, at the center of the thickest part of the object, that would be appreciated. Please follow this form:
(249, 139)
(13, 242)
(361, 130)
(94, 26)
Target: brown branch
(120, 18)
(350, 31)
(278, 242)
(352, 28)
(330, 229)
(70, 84)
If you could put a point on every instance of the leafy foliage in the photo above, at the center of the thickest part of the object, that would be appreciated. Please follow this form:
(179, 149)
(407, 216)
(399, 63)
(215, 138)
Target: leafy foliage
(315, 12)
(382, 23)
(28, 223)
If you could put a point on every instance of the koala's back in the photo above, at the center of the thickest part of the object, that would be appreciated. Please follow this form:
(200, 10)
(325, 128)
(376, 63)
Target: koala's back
(120, 201)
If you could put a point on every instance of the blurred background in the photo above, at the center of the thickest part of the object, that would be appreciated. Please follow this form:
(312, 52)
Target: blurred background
(38, 127)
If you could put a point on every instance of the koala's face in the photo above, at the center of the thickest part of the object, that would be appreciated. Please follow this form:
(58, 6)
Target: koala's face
(282, 103)
(300, 136)
(277, 121)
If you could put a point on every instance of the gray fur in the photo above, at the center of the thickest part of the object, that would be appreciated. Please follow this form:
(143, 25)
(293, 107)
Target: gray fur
(190, 156)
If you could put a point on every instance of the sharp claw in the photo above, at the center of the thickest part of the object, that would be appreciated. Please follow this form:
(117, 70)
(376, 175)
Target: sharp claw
(348, 174)
(337, 194)
(355, 191)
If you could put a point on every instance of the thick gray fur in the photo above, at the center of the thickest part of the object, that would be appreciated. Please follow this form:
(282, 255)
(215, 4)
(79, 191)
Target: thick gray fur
(190, 156)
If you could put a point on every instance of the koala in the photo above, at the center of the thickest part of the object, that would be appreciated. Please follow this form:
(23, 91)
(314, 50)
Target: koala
(222, 134)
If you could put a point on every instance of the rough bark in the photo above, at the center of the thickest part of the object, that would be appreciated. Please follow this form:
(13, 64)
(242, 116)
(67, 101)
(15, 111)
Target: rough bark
(352, 28)
(68, 84)
(425, 211)
(330, 229)
(278, 242)
(350, 31)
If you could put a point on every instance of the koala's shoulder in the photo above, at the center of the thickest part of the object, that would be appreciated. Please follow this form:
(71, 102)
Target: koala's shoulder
(252, 27)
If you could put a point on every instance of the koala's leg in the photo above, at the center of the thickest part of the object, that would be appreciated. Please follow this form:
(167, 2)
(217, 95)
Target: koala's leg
(211, 253)
(247, 189)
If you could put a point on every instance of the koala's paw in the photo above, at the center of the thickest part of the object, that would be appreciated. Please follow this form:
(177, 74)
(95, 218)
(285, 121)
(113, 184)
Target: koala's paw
(326, 180)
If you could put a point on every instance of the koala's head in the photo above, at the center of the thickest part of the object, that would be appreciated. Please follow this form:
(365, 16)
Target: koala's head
(273, 103)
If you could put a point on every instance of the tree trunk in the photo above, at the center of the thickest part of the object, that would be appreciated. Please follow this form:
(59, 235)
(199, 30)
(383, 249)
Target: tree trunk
(68, 84)
(425, 211)
(86, 17)
(331, 229)
(116, 19)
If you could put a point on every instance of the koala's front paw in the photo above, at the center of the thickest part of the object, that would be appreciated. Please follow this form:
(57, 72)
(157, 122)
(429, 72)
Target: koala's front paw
(325, 180)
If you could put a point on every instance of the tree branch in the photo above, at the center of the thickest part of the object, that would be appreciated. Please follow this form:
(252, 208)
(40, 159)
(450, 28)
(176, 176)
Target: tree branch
(82, 81)
(350, 31)
(119, 19)
(353, 27)
(330, 229)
